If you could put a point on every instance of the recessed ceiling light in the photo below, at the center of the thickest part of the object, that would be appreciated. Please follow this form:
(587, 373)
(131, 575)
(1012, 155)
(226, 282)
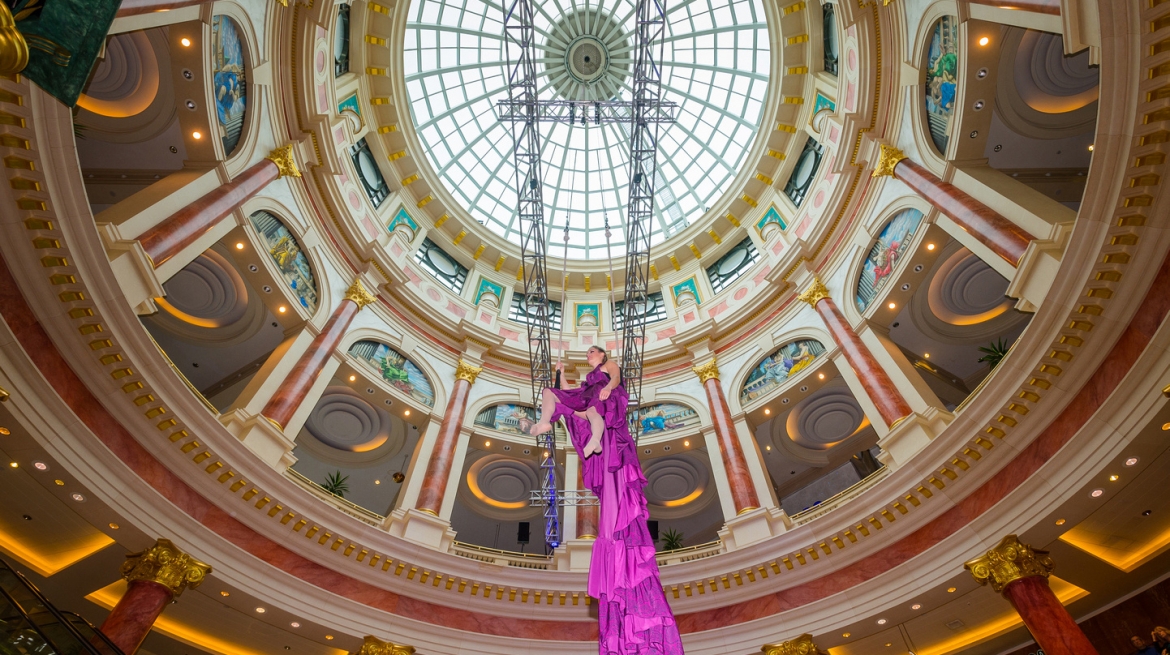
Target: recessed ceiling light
(916, 606)
(329, 637)
(5, 431)
(114, 526)
(377, 482)
(59, 483)
(353, 378)
(295, 624)
(846, 634)
(892, 305)
(40, 466)
(406, 412)
(186, 42)
(930, 246)
(14, 465)
(196, 135)
(926, 355)
(767, 448)
(984, 41)
(950, 590)
(1060, 521)
(1097, 493)
(225, 594)
(821, 376)
(1166, 426)
(1132, 461)
(1114, 477)
(686, 444)
(767, 411)
(881, 621)
(240, 245)
(546, 453)
(260, 610)
(1090, 147)
(487, 444)
(78, 497)
(282, 309)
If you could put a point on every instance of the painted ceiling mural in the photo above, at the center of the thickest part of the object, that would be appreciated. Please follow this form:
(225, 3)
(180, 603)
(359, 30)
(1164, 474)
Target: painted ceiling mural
(941, 66)
(289, 258)
(775, 369)
(230, 78)
(395, 369)
(885, 254)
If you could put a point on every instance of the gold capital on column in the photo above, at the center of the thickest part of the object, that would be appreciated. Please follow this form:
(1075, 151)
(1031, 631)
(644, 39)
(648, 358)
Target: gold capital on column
(165, 564)
(815, 293)
(375, 646)
(887, 160)
(283, 158)
(467, 372)
(357, 293)
(1008, 562)
(13, 47)
(802, 645)
(707, 371)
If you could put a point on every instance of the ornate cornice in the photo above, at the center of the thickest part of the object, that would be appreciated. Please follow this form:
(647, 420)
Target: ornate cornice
(802, 645)
(887, 160)
(467, 372)
(707, 371)
(375, 646)
(167, 565)
(815, 293)
(1008, 562)
(283, 158)
(357, 293)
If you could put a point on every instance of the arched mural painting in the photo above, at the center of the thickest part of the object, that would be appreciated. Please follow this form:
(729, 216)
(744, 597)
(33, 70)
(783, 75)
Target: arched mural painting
(396, 369)
(507, 417)
(883, 257)
(290, 259)
(230, 77)
(666, 417)
(775, 369)
(942, 68)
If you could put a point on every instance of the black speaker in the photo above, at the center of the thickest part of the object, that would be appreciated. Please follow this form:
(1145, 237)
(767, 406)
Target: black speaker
(652, 526)
(522, 534)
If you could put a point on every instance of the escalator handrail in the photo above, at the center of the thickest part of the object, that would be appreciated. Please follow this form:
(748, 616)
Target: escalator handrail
(24, 615)
(97, 631)
(90, 648)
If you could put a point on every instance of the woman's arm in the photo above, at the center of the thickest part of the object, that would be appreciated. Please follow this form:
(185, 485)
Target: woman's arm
(615, 378)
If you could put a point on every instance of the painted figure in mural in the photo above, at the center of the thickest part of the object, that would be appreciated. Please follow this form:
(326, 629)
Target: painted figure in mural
(633, 614)
(523, 420)
(285, 253)
(395, 373)
(658, 422)
(885, 259)
(943, 81)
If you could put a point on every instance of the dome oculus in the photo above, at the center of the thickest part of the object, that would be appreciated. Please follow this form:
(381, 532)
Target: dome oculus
(715, 66)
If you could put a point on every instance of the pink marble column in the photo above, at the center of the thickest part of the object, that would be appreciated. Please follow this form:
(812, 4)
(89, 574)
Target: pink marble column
(587, 515)
(185, 226)
(136, 7)
(988, 226)
(155, 577)
(295, 388)
(877, 384)
(739, 478)
(430, 497)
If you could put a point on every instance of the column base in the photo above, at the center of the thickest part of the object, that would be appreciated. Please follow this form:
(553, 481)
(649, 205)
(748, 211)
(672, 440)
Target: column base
(911, 435)
(421, 528)
(1037, 269)
(263, 438)
(135, 272)
(578, 553)
(753, 526)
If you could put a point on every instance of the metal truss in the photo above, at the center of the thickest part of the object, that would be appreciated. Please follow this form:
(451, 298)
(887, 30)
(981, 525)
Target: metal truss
(584, 113)
(647, 103)
(565, 498)
(520, 51)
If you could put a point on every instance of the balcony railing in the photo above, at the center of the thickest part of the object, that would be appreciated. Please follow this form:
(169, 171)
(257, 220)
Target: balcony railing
(501, 557)
(833, 502)
(357, 511)
(690, 553)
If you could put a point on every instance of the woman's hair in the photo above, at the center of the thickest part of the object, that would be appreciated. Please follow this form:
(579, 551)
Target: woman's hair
(604, 355)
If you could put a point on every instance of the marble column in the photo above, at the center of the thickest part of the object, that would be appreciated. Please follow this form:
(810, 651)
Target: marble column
(587, 515)
(803, 645)
(877, 383)
(743, 491)
(374, 646)
(13, 47)
(1020, 573)
(430, 497)
(185, 226)
(992, 229)
(136, 7)
(292, 391)
(156, 576)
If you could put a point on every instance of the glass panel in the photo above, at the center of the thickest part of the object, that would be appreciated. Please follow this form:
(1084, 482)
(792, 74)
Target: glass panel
(520, 313)
(731, 266)
(341, 42)
(830, 39)
(368, 172)
(441, 266)
(805, 172)
(654, 311)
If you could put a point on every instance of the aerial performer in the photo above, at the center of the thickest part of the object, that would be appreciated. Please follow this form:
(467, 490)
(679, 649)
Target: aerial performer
(633, 613)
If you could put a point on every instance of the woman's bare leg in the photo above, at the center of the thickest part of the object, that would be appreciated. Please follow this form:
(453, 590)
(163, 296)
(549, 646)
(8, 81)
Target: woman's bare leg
(596, 426)
(548, 403)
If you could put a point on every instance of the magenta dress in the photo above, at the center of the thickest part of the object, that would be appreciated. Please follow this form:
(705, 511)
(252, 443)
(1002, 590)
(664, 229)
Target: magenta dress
(633, 613)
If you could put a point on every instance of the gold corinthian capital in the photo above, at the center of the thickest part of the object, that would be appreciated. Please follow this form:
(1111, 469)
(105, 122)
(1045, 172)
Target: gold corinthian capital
(283, 158)
(467, 372)
(375, 646)
(1008, 562)
(888, 158)
(357, 293)
(165, 564)
(815, 293)
(13, 47)
(802, 645)
(707, 371)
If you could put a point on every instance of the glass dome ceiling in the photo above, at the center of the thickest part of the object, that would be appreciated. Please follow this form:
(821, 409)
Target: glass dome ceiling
(716, 67)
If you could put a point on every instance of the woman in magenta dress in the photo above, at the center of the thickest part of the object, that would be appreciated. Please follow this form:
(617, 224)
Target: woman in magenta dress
(633, 613)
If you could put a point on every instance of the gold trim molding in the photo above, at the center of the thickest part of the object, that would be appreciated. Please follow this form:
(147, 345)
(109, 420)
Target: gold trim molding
(887, 160)
(166, 565)
(467, 372)
(815, 293)
(707, 371)
(283, 158)
(375, 646)
(802, 645)
(357, 293)
(1008, 562)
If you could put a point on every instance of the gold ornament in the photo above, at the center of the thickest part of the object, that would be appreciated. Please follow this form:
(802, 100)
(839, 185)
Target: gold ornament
(167, 565)
(887, 160)
(815, 293)
(707, 371)
(375, 646)
(13, 47)
(467, 372)
(802, 645)
(1008, 562)
(283, 158)
(357, 293)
